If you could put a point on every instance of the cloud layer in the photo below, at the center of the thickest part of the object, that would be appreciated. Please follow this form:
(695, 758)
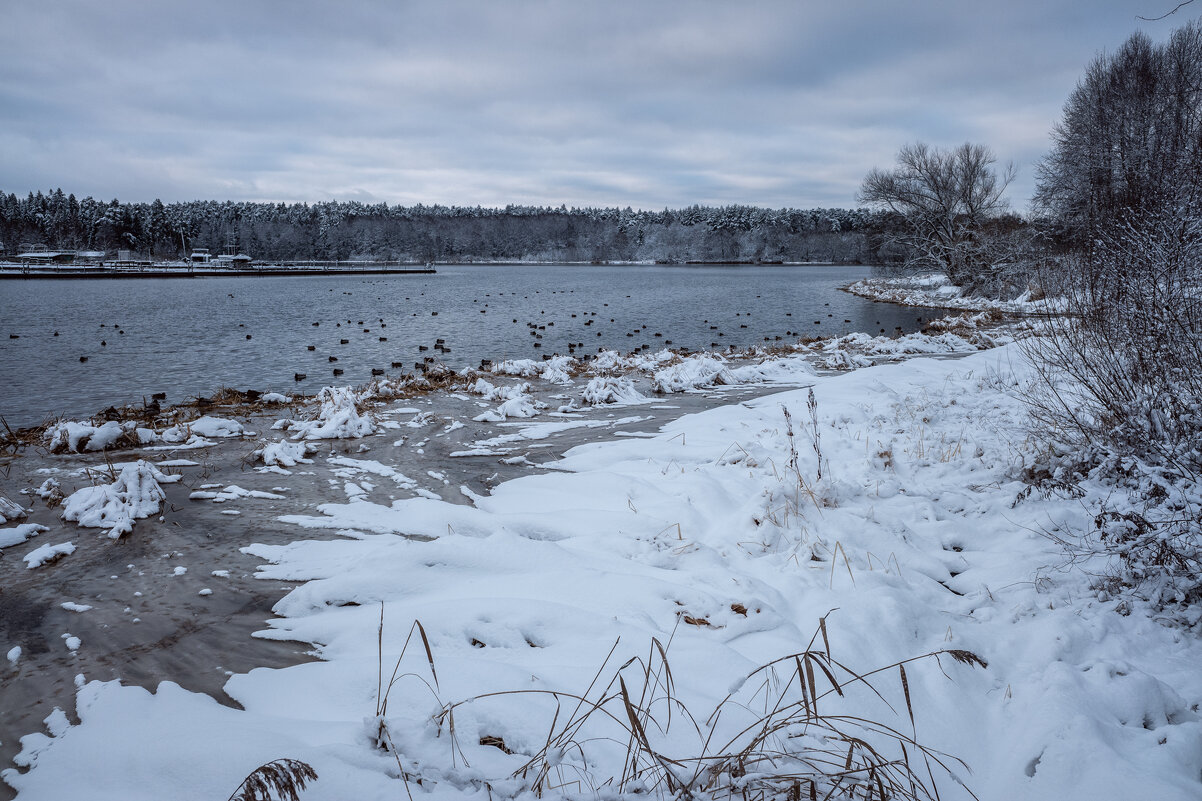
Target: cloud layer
(647, 104)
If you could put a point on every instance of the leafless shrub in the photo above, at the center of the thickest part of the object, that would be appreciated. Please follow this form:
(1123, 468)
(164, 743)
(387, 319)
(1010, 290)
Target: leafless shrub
(1119, 396)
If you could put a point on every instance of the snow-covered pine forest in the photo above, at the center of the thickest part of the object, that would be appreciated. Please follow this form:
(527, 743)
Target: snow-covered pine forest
(354, 230)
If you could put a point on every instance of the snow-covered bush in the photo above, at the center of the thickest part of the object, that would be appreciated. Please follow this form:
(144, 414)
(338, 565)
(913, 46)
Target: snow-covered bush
(556, 370)
(1120, 392)
(134, 494)
(1119, 396)
(696, 371)
(285, 453)
(602, 390)
(339, 417)
(77, 437)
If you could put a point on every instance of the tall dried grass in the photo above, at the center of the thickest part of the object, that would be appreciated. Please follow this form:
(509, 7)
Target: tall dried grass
(778, 733)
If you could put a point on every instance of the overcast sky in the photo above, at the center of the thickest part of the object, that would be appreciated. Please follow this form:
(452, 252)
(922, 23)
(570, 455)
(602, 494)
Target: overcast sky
(646, 104)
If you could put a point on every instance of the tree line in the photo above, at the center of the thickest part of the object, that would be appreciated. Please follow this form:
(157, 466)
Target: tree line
(353, 230)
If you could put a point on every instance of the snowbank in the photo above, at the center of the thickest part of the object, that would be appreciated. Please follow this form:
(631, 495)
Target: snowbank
(135, 494)
(11, 511)
(863, 350)
(609, 362)
(555, 370)
(702, 370)
(207, 426)
(515, 398)
(47, 554)
(499, 393)
(605, 390)
(936, 291)
(18, 534)
(285, 454)
(517, 406)
(718, 542)
(78, 437)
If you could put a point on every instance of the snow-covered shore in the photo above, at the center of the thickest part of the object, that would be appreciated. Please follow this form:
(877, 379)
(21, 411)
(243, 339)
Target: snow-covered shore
(889, 495)
(936, 291)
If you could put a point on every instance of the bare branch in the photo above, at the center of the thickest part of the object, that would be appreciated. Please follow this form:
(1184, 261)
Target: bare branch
(1176, 8)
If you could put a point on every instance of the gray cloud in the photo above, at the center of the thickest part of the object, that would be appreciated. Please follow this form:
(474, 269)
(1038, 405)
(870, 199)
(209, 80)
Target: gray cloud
(647, 104)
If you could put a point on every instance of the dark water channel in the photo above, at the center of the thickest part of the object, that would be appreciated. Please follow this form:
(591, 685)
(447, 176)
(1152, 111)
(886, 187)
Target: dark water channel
(188, 337)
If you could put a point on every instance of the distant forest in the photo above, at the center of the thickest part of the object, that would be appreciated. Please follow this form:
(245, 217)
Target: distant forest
(352, 230)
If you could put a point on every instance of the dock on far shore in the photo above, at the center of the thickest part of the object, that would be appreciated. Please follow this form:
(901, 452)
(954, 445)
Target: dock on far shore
(180, 269)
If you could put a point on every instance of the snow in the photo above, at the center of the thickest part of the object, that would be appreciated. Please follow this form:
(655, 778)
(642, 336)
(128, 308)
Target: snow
(231, 493)
(202, 430)
(48, 489)
(78, 437)
(555, 370)
(500, 393)
(520, 406)
(10, 511)
(212, 427)
(48, 554)
(57, 722)
(610, 361)
(133, 495)
(702, 370)
(606, 390)
(351, 468)
(718, 539)
(18, 534)
(285, 454)
(338, 417)
(515, 398)
(937, 291)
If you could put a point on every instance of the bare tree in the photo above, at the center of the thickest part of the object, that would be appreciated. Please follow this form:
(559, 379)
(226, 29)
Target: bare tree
(945, 198)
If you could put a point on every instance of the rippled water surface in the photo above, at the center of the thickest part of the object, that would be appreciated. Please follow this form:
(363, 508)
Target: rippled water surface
(187, 337)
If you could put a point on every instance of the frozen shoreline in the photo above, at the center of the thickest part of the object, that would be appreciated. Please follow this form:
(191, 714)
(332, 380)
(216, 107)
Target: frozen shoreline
(936, 291)
(146, 625)
(526, 584)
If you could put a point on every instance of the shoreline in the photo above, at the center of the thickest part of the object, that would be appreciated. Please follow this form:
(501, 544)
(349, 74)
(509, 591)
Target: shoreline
(170, 633)
(167, 632)
(11, 270)
(192, 630)
(695, 533)
(278, 351)
(241, 401)
(935, 290)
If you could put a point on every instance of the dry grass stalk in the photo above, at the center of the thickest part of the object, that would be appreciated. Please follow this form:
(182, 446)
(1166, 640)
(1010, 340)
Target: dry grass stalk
(794, 747)
(280, 780)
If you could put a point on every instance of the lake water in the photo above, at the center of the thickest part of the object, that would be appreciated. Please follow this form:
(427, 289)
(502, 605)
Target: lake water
(190, 337)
